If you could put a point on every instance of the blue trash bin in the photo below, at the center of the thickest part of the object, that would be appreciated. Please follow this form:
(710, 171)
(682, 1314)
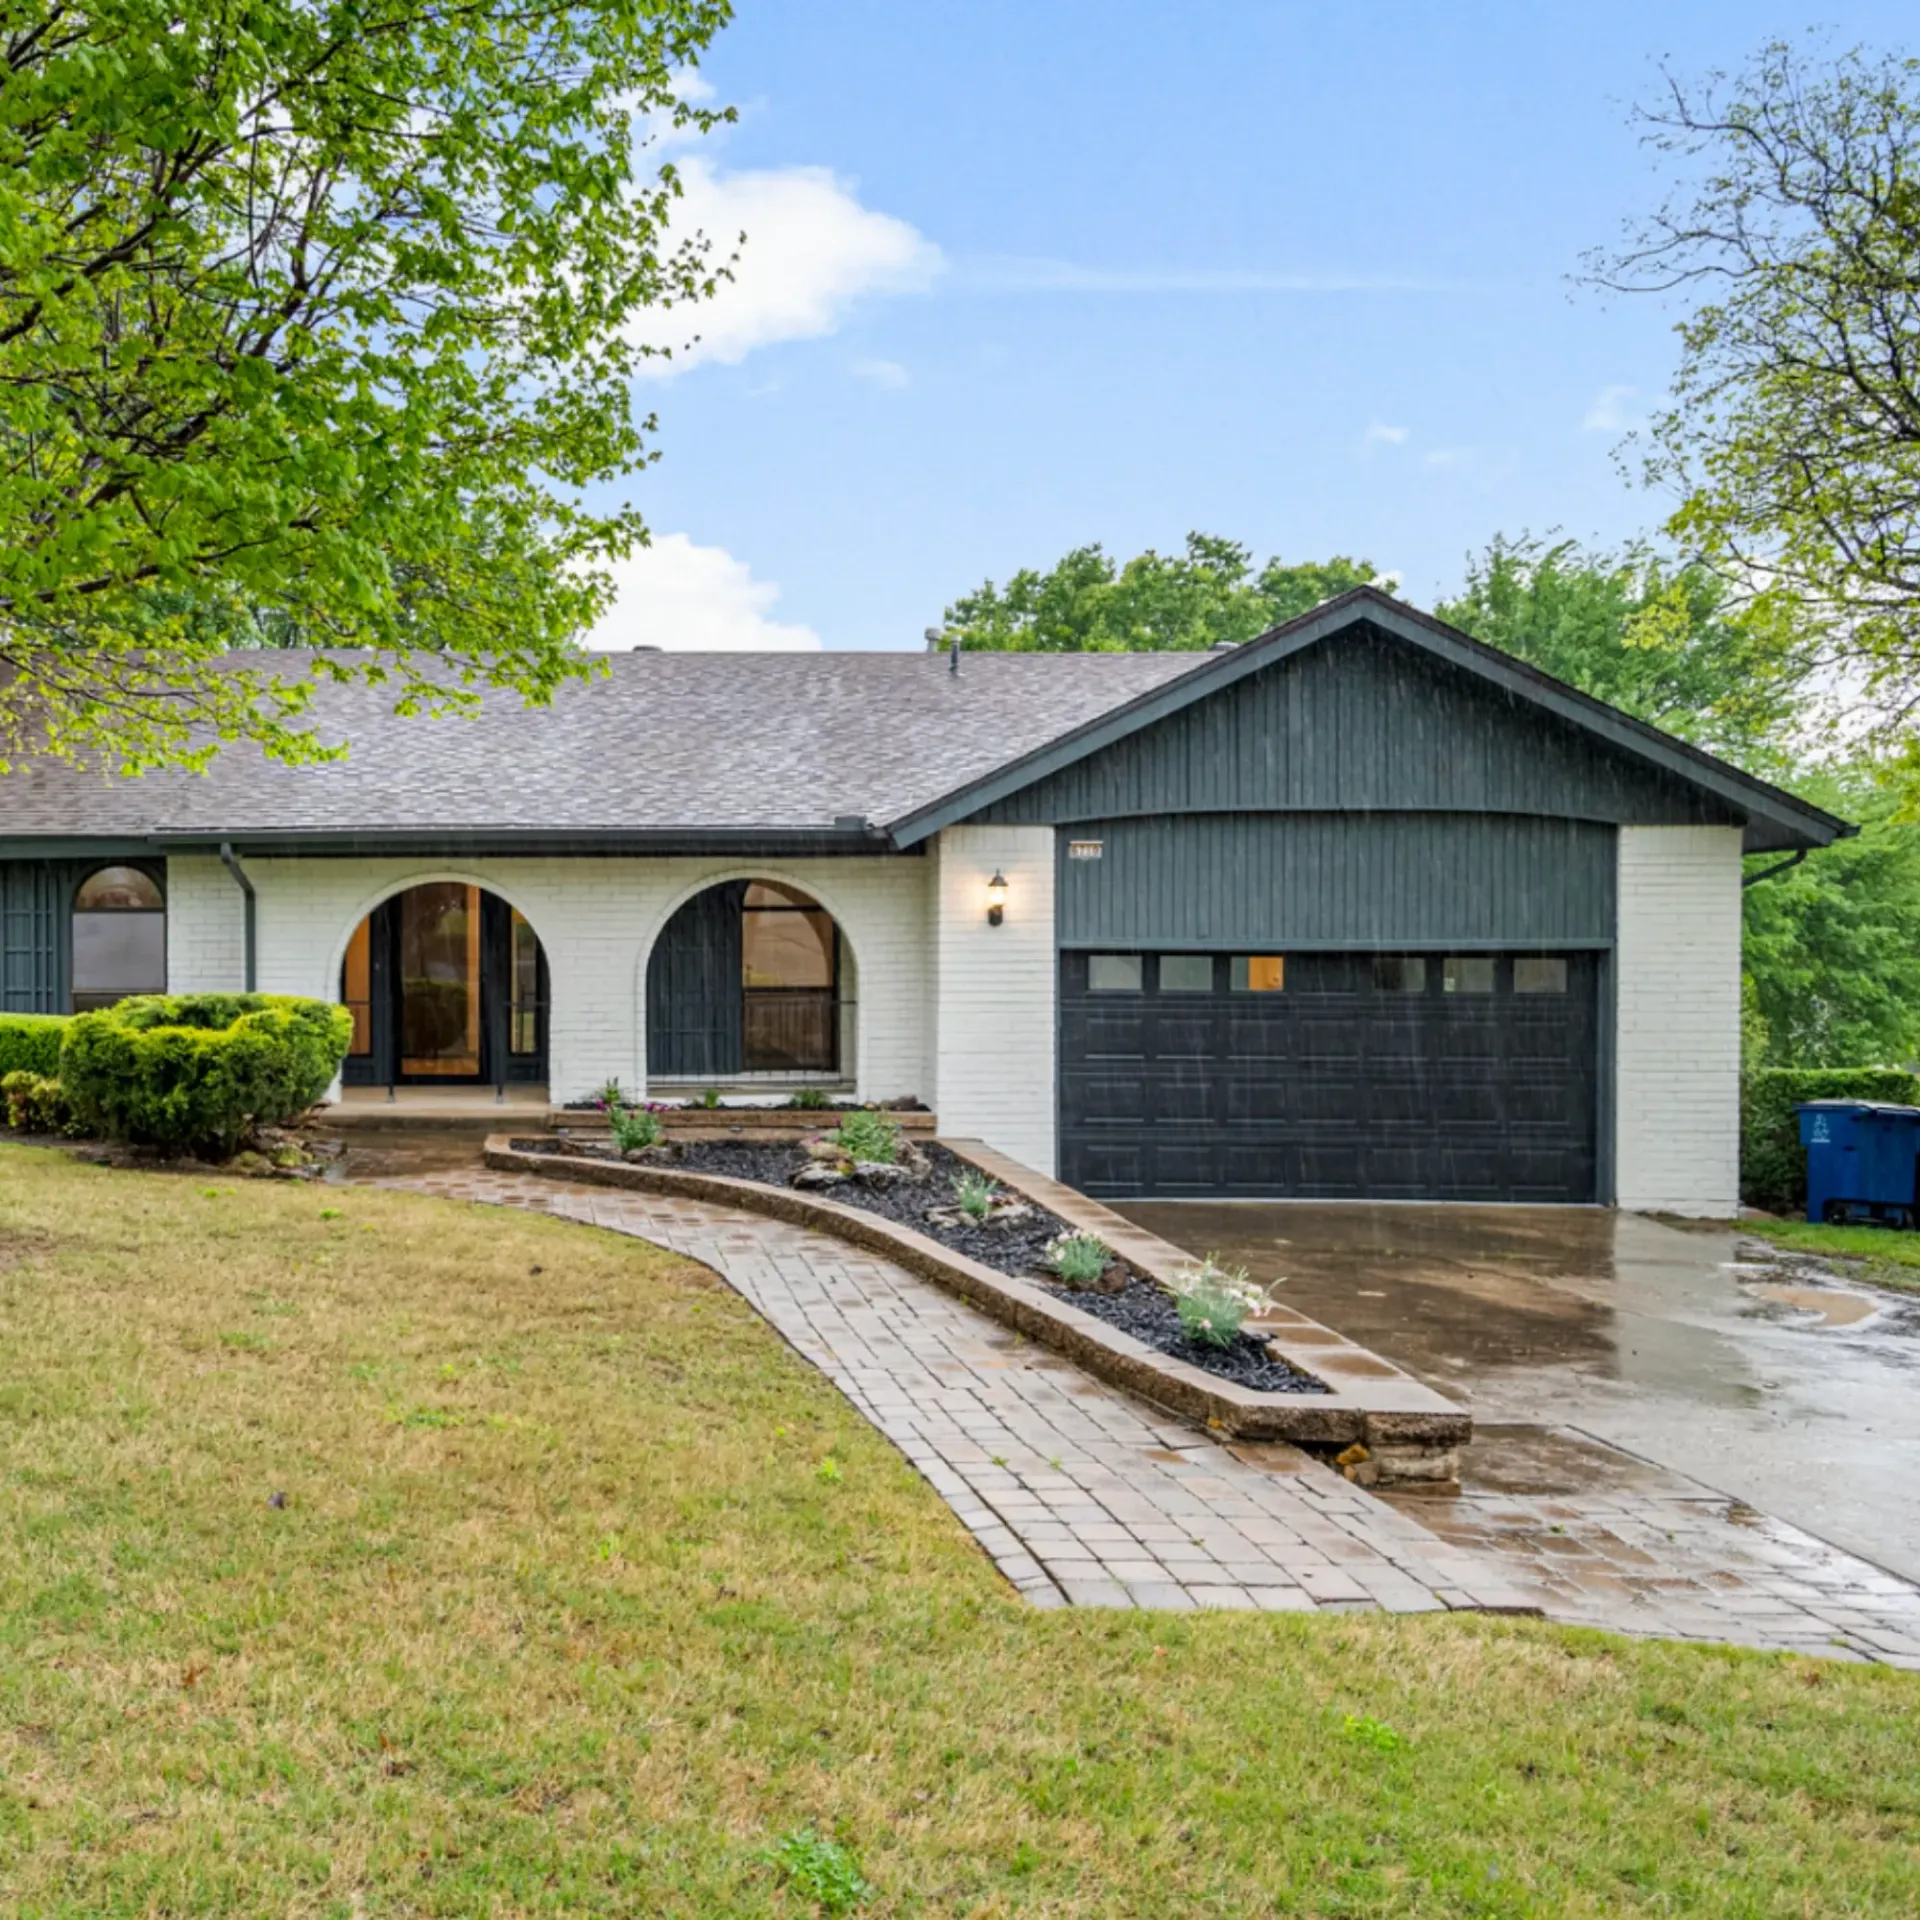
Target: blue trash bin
(1861, 1161)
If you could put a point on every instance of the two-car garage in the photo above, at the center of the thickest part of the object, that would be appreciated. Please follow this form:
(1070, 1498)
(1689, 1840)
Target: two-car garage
(1444, 1076)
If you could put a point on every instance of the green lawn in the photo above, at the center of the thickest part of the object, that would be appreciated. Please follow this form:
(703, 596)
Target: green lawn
(1880, 1255)
(586, 1591)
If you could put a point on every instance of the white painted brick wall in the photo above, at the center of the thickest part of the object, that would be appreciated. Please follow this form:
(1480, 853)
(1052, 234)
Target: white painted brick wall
(994, 990)
(1677, 994)
(206, 926)
(597, 918)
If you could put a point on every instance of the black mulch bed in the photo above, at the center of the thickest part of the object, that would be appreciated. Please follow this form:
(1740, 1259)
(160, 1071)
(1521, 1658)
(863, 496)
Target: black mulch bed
(1148, 1313)
(1141, 1308)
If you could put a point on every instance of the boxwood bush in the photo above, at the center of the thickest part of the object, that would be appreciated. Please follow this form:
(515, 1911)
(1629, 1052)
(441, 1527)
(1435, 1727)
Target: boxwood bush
(1773, 1163)
(30, 1043)
(196, 1073)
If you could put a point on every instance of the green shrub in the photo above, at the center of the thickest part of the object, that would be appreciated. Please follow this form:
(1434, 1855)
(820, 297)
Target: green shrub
(975, 1194)
(867, 1136)
(1214, 1301)
(1077, 1259)
(30, 1042)
(36, 1103)
(196, 1073)
(1773, 1163)
(634, 1127)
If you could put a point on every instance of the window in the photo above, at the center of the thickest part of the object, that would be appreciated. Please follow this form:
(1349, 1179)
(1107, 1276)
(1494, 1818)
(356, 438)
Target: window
(789, 953)
(356, 988)
(1467, 973)
(1186, 973)
(1113, 973)
(1399, 973)
(1540, 973)
(786, 939)
(523, 1009)
(1259, 973)
(119, 938)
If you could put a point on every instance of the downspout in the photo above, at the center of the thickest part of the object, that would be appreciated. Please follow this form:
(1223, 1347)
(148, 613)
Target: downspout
(231, 861)
(1773, 873)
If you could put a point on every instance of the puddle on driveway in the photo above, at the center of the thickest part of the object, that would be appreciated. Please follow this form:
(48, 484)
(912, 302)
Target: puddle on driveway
(1834, 1308)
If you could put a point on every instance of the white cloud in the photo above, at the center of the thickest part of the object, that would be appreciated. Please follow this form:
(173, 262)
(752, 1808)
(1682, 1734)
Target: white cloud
(1380, 435)
(1017, 273)
(811, 251)
(1609, 412)
(883, 373)
(676, 595)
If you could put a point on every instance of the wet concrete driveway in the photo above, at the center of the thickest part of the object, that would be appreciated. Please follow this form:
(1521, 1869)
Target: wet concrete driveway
(1609, 1357)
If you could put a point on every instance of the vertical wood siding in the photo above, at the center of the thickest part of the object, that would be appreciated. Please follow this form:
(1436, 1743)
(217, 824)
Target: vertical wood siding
(1364, 724)
(1277, 880)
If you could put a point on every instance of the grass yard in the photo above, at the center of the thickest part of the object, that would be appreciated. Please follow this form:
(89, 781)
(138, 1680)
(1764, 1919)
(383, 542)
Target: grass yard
(585, 1592)
(1880, 1255)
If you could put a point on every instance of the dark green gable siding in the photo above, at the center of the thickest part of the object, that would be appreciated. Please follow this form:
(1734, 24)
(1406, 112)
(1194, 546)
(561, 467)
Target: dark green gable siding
(1262, 882)
(1361, 723)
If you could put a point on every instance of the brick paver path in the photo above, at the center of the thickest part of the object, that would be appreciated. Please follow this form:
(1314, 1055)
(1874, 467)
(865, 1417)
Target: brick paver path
(1084, 1496)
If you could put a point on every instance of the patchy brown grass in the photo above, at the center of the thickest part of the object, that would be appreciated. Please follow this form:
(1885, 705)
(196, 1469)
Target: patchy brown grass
(560, 1615)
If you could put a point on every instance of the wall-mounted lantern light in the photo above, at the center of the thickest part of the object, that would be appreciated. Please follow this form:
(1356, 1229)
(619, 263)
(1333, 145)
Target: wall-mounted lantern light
(996, 898)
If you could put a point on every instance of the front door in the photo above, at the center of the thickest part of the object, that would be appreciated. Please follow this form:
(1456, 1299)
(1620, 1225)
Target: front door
(447, 985)
(439, 982)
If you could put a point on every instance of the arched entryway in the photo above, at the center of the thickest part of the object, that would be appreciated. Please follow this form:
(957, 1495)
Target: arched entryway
(447, 985)
(748, 980)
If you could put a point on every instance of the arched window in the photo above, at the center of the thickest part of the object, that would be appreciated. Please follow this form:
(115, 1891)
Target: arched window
(119, 937)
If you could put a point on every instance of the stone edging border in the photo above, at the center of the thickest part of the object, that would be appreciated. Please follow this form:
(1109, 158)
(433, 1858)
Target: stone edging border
(1410, 1432)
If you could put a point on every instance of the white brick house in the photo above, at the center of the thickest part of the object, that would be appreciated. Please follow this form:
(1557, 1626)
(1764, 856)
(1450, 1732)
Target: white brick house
(1361, 908)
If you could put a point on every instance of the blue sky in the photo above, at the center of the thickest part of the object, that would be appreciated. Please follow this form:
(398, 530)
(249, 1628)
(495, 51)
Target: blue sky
(1019, 277)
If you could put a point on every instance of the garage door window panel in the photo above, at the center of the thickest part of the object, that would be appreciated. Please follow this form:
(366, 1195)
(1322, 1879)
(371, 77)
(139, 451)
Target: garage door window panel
(1400, 973)
(1185, 972)
(1467, 973)
(1258, 973)
(1114, 973)
(1540, 973)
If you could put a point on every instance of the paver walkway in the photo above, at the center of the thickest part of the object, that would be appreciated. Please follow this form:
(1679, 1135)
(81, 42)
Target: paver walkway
(1081, 1494)
(1085, 1496)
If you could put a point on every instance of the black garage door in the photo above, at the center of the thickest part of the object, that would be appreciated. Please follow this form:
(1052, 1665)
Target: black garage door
(1419, 1076)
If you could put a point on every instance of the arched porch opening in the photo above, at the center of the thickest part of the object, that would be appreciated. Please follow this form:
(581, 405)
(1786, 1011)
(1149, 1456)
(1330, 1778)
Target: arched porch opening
(750, 980)
(447, 984)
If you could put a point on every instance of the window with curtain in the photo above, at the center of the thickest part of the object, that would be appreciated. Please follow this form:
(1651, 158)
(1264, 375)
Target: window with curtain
(119, 937)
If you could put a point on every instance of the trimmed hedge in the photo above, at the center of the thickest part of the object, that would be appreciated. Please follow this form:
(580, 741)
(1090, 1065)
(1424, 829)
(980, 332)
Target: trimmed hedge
(196, 1073)
(30, 1042)
(1773, 1163)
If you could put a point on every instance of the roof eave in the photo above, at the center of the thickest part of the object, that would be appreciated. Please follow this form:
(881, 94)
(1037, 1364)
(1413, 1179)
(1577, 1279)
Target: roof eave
(270, 842)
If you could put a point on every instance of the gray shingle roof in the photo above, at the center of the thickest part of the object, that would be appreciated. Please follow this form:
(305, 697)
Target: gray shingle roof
(781, 741)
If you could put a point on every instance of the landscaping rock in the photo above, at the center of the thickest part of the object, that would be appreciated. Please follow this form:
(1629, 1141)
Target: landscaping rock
(816, 1176)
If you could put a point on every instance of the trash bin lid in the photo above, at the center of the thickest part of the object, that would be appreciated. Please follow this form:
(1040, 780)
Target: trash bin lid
(1886, 1107)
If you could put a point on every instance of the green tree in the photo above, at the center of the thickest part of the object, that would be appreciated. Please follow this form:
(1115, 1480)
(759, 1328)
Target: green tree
(314, 320)
(1832, 948)
(1668, 643)
(1087, 604)
(1792, 435)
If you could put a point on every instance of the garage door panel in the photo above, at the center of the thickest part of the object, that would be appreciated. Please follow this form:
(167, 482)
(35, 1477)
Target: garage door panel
(1184, 1036)
(1332, 1086)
